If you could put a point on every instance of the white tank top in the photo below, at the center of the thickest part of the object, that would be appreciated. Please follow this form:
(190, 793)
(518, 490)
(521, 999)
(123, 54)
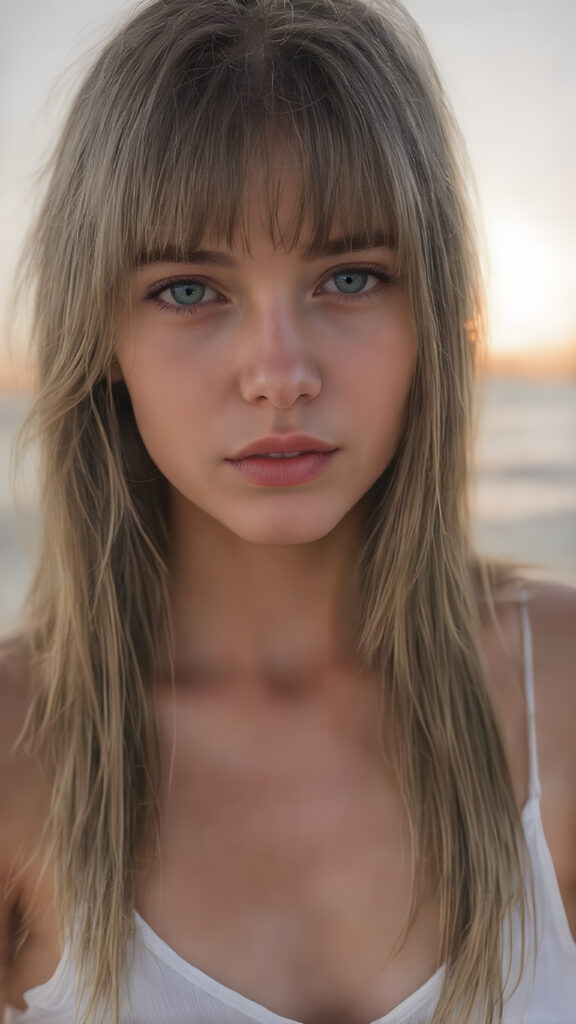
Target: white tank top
(162, 988)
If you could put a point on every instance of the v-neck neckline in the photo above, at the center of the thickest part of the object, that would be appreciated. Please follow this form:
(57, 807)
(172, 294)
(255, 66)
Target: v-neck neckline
(258, 1012)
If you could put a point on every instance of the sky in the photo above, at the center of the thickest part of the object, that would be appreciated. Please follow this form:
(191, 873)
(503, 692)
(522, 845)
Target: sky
(510, 73)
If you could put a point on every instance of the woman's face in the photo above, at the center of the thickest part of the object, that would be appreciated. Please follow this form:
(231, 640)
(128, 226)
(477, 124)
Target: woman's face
(227, 348)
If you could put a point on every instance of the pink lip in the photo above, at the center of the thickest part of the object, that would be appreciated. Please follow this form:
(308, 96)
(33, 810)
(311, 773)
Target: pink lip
(280, 443)
(283, 472)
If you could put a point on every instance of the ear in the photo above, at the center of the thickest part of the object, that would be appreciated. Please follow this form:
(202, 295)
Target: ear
(115, 371)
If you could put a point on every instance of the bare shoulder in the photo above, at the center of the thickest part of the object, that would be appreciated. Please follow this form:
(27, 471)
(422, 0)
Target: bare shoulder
(22, 783)
(553, 624)
(14, 781)
(552, 617)
(552, 612)
(552, 609)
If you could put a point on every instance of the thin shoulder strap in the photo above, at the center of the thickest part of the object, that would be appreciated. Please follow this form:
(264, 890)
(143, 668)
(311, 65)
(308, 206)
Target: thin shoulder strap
(529, 684)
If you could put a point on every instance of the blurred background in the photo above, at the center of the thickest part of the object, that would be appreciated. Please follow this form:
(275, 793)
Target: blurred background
(510, 74)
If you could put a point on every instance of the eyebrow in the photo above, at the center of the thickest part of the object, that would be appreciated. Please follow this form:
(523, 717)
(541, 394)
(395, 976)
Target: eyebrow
(349, 243)
(172, 254)
(315, 251)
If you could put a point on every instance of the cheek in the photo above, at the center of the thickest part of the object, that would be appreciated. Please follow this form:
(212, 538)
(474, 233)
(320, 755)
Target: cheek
(385, 377)
(160, 374)
(384, 393)
(169, 414)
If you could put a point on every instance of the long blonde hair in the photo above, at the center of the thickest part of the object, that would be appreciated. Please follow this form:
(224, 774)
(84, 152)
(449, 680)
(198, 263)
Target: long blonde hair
(156, 151)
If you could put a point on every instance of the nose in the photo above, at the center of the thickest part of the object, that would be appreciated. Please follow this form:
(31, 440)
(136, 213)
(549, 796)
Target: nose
(278, 362)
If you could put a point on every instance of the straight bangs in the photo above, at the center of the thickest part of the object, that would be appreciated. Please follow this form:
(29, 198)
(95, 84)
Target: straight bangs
(215, 158)
(274, 94)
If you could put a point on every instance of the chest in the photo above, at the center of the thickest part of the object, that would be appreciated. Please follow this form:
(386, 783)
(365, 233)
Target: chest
(285, 873)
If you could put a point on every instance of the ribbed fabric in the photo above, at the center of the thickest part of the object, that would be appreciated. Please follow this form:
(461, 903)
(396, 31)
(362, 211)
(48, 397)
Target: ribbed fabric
(162, 988)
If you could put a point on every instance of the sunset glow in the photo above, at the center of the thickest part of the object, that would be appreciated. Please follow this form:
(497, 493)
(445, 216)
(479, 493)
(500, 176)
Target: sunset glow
(531, 286)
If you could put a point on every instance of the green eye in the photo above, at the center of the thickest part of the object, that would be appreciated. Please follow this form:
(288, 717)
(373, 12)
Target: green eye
(350, 281)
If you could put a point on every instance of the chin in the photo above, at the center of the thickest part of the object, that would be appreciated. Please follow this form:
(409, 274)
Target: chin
(284, 531)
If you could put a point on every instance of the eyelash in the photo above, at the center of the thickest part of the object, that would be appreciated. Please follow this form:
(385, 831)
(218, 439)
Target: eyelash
(384, 277)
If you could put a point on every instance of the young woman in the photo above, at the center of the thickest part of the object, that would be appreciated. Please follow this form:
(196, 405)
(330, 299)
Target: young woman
(275, 746)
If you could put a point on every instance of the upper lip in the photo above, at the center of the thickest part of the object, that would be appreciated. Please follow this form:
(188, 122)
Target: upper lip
(283, 443)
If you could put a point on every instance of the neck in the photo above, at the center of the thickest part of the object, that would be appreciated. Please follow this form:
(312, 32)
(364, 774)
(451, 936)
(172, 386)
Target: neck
(271, 613)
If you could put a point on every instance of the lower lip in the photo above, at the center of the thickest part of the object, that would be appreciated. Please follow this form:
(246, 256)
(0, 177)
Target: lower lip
(283, 472)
